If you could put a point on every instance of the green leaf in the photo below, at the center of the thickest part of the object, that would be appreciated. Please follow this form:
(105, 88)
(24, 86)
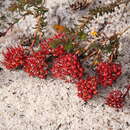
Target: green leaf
(82, 35)
(37, 40)
(69, 47)
(107, 49)
(16, 20)
(94, 45)
(55, 43)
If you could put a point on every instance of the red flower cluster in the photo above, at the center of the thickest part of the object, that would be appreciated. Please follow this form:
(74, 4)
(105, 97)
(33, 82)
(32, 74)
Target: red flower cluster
(87, 88)
(14, 57)
(35, 65)
(58, 51)
(47, 49)
(67, 65)
(115, 99)
(107, 73)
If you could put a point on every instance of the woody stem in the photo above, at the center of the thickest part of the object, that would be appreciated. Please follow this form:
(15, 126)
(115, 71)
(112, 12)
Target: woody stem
(128, 88)
(33, 42)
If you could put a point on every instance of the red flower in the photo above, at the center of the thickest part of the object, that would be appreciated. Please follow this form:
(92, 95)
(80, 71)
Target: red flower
(115, 99)
(67, 66)
(108, 73)
(35, 65)
(47, 49)
(58, 51)
(87, 88)
(14, 57)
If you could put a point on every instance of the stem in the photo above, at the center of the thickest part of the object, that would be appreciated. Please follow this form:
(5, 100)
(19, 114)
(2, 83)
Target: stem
(97, 57)
(127, 91)
(90, 55)
(121, 33)
(113, 53)
(4, 33)
(10, 27)
(33, 42)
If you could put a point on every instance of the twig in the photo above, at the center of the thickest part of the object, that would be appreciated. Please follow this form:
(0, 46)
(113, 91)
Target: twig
(90, 55)
(2, 34)
(58, 127)
(127, 91)
(121, 33)
(33, 42)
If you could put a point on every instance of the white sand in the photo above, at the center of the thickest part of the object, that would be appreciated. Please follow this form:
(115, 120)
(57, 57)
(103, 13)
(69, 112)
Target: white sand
(28, 103)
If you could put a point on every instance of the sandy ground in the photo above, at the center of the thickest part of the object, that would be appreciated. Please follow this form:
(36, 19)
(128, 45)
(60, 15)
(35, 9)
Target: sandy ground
(28, 103)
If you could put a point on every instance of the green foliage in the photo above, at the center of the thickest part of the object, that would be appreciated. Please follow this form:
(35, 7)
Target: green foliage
(31, 7)
(69, 46)
(98, 11)
(81, 35)
(79, 5)
(105, 9)
(23, 5)
(55, 43)
(67, 43)
(41, 22)
(94, 45)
